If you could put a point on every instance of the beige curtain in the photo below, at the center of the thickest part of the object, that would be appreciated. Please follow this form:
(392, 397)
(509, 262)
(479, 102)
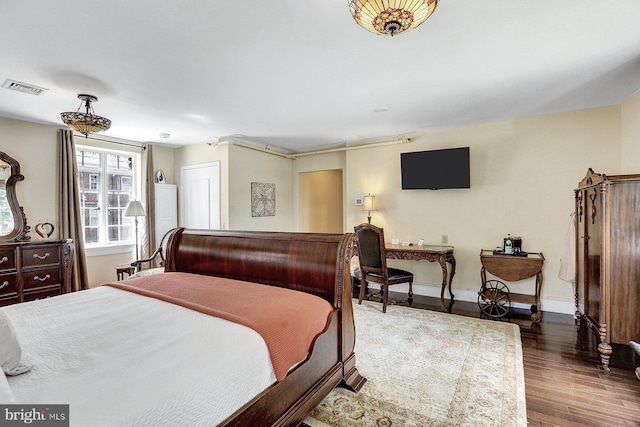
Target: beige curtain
(148, 237)
(69, 213)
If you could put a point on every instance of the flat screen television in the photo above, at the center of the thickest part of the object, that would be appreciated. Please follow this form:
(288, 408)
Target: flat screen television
(435, 169)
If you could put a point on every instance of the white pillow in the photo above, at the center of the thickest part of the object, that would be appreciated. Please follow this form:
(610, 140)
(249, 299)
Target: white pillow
(148, 272)
(10, 351)
(6, 397)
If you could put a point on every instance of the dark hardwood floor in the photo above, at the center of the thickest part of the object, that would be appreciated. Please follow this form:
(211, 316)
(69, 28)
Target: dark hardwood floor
(564, 384)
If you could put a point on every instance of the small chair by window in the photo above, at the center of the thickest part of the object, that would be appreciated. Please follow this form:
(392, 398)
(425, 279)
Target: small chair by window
(156, 260)
(373, 264)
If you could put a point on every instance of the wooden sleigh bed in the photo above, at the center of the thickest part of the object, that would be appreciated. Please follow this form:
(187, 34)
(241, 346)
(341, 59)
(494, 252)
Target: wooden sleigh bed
(314, 264)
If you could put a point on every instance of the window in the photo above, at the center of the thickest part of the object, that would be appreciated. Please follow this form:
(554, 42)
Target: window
(108, 181)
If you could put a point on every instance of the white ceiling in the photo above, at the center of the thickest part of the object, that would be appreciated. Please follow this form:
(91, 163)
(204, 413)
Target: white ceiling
(301, 75)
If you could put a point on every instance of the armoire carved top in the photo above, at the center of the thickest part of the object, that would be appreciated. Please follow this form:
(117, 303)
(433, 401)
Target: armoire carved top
(593, 179)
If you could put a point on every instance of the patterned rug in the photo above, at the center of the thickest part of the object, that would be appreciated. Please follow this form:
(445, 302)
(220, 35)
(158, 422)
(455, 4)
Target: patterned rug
(426, 368)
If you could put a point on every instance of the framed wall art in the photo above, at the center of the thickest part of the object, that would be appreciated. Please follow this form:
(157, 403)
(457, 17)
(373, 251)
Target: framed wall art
(263, 199)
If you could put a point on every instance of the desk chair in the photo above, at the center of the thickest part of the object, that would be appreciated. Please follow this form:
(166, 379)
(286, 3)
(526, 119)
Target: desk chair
(373, 264)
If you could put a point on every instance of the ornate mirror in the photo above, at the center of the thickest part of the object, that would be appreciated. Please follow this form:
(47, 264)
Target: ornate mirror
(13, 224)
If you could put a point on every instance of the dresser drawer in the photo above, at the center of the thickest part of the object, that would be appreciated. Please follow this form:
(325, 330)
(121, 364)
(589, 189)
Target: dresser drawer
(48, 293)
(34, 270)
(40, 278)
(8, 285)
(34, 256)
(8, 301)
(7, 259)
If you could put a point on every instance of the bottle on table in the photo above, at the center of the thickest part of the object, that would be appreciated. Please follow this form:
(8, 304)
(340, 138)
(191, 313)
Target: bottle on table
(508, 245)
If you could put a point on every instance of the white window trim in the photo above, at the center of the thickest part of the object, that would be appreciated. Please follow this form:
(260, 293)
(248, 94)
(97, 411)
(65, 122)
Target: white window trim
(99, 249)
(113, 249)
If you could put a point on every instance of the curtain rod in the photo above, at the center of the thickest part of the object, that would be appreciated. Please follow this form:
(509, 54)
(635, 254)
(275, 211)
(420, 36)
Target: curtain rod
(116, 142)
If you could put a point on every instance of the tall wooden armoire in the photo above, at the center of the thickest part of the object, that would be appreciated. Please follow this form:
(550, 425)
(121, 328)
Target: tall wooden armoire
(608, 258)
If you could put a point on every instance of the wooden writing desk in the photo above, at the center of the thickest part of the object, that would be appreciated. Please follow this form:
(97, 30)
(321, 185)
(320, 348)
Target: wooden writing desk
(443, 255)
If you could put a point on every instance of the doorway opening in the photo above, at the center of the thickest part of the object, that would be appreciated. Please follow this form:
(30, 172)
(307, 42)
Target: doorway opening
(321, 202)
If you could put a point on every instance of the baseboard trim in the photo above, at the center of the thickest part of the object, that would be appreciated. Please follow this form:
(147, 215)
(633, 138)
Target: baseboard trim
(469, 295)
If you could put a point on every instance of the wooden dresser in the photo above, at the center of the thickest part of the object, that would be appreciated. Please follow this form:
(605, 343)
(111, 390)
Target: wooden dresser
(34, 270)
(608, 258)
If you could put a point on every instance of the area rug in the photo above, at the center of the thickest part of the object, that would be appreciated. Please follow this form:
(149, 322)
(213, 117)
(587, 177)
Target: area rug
(426, 368)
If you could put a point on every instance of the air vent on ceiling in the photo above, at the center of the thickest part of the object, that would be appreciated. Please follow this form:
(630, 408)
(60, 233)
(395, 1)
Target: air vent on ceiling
(23, 87)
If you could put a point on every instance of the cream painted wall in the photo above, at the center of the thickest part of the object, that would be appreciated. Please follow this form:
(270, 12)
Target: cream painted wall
(102, 268)
(163, 159)
(522, 179)
(630, 156)
(35, 147)
(523, 173)
(247, 166)
(239, 167)
(205, 153)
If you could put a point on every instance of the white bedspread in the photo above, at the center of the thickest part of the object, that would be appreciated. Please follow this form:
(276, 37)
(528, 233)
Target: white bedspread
(120, 358)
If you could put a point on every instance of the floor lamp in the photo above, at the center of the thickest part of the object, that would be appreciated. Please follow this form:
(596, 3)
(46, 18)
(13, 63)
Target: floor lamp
(135, 209)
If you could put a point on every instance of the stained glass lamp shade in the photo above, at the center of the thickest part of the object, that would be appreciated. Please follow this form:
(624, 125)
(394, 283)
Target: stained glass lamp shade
(86, 122)
(391, 17)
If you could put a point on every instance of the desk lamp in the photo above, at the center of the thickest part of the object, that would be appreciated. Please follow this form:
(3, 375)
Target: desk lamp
(369, 205)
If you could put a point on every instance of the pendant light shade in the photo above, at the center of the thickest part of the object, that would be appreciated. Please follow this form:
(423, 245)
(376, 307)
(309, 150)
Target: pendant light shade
(86, 122)
(391, 17)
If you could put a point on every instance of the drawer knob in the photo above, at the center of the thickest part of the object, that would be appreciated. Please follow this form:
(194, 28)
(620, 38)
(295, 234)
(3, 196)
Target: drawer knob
(4, 284)
(47, 277)
(46, 255)
(4, 259)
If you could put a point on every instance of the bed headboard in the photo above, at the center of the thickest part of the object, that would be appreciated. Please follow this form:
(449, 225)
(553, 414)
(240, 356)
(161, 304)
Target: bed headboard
(309, 262)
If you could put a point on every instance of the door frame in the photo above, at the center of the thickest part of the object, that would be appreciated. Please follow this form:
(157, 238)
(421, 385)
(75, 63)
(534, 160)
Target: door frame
(215, 164)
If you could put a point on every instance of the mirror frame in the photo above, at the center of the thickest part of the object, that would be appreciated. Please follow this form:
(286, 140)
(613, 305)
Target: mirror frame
(20, 227)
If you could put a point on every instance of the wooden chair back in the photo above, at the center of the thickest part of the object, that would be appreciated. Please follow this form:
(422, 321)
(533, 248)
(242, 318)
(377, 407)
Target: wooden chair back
(371, 251)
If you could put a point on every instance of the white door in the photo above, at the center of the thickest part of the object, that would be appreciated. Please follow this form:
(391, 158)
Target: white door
(200, 196)
(166, 209)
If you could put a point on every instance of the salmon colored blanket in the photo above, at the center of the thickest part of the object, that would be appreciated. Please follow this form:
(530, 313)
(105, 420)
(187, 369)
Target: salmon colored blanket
(287, 320)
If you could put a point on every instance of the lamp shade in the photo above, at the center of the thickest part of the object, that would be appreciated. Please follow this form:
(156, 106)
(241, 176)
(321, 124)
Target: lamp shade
(134, 209)
(369, 203)
(87, 122)
(391, 17)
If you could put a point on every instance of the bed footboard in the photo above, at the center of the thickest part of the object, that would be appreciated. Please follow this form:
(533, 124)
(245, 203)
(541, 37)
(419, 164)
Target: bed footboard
(309, 262)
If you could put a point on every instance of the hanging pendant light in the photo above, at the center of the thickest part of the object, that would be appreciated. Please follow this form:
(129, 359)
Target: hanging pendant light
(391, 17)
(86, 122)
